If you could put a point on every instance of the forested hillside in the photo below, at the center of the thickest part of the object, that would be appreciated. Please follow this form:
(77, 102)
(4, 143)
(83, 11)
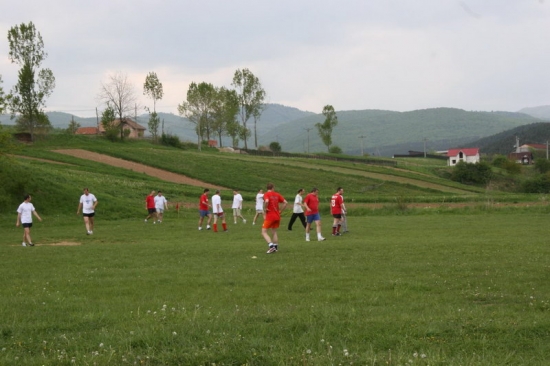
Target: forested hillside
(503, 143)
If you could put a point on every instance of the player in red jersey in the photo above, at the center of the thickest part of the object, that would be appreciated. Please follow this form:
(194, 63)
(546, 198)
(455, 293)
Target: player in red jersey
(203, 209)
(311, 203)
(337, 209)
(150, 206)
(272, 201)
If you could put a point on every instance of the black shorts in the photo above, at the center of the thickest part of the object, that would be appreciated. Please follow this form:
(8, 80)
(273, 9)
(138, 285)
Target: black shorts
(337, 216)
(151, 210)
(27, 224)
(89, 214)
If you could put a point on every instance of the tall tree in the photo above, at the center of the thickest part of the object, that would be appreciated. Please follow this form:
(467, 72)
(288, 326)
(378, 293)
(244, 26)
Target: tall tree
(198, 108)
(2, 98)
(73, 126)
(251, 99)
(153, 89)
(120, 95)
(34, 85)
(225, 109)
(325, 128)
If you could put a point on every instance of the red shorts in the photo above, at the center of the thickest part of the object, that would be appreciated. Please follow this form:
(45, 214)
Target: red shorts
(271, 224)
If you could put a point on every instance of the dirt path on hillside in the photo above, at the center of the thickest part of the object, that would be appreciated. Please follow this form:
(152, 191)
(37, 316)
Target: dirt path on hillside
(136, 167)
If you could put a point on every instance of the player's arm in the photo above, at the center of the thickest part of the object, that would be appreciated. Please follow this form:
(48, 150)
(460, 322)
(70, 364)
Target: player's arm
(37, 216)
(18, 221)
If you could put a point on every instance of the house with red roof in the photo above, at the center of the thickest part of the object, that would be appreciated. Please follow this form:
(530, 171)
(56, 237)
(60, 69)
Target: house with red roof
(467, 155)
(87, 131)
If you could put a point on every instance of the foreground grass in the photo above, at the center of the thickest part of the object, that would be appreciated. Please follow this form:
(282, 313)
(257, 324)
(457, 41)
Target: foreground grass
(417, 290)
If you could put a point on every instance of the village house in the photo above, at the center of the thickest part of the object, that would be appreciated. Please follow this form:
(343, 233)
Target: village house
(136, 130)
(467, 155)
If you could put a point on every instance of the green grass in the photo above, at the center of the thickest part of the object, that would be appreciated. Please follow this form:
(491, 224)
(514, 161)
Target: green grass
(437, 290)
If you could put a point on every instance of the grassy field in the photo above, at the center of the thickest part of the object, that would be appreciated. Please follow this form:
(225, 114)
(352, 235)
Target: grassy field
(408, 285)
(397, 290)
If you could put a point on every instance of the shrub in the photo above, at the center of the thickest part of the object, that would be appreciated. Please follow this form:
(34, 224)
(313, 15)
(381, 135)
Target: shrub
(335, 149)
(499, 161)
(170, 140)
(539, 184)
(275, 147)
(467, 173)
(542, 165)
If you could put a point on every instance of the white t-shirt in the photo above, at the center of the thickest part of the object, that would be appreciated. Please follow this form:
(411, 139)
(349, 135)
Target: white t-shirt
(260, 202)
(298, 204)
(87, 203)
(217, 200)
(26, 209)
(237, 201)
(160, 202)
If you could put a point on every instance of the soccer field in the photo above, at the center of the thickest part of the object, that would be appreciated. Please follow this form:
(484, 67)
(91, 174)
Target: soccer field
(397, 290)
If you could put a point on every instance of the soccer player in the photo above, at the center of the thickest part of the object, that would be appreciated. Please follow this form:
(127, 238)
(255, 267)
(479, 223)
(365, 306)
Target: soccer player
(24, 218)
(337, 209)
(150, 206)
(161, 204)
(203, 209)
(311, 204)
(237, 206)
(87, 203)
(218, 211)
(297, 210)
(259, 206)
(272, 201)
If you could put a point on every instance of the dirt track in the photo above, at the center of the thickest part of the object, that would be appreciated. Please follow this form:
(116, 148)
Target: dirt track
(136, 167)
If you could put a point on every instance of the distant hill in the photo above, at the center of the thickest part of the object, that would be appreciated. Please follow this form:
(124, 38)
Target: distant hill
(503, 143)
(542, 112)
(380, 132)
(386, 132)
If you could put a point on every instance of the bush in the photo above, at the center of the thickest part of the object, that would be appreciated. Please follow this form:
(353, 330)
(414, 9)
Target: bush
(467, 173)
(170, 140)
(542, 165)
(511, 167)
(275, 147)
(499, 161)
(335, 149)
(539, 184)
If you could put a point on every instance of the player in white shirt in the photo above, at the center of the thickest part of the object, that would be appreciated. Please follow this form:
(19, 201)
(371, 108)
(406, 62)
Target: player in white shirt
(297, 210)
(259, 206)
(237, 206)
(87, 203)
(160, 205)
(24, 218)
(217, 210)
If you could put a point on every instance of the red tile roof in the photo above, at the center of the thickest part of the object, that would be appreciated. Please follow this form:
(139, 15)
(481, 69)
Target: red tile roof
(87, 131)
(471, 151)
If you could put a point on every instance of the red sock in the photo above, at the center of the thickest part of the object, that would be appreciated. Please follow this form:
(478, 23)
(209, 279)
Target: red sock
(215, 226)
(334, 229)
(224, 226)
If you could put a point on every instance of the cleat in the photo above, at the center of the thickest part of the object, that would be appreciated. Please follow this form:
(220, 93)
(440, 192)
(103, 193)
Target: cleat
(271, 250)
(207, 227)
(31, 244)
(200, 228)
(321, 238)
(307, 239)
(24, 244)
(336, 234)
(244, 221)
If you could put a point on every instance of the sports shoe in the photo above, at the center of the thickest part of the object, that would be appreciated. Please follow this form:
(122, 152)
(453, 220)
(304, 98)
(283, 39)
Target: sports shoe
(321, 238)
(276, 246)
(24, 244)
(207, 227)
(336, 234)
(307, 238)
(271, 250)
(31, 244)
(88, 232)
(244, 221)
(145, 220)
(200, 228)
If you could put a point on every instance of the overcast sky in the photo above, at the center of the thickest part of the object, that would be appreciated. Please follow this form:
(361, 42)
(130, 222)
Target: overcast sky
(397, 55)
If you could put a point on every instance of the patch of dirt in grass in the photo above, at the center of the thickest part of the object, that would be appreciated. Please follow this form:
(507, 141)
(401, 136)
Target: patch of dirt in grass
(40, 159)
(136, 167)
(63, 244)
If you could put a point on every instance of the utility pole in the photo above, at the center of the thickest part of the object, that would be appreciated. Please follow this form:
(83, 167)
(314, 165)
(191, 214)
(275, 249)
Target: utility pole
(362, 139)
(425, 147)
(546, 149)
(307, 129)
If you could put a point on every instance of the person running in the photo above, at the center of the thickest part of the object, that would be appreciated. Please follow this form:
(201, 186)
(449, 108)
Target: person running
(337, 209)
(87, 203)
(259, 206)
(217, 210)
(297, 210)
(24, 218)
(161, 204)
(272, 201)
(311, 204)
(237, 206)
(203, 209)
(150, 206)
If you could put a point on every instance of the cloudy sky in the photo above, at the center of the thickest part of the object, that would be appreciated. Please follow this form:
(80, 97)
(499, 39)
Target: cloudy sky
(397, 55)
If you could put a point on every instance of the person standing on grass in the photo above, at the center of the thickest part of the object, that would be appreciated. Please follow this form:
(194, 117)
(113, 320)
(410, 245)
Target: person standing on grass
(337, 209)
(24, 218)
(203, 209)
(297, 210)
(272, 201)
(161, 204)
(217, 210)
(150, 206)
(87, 203)
(237, 206)
(259, 206)
(311, 204)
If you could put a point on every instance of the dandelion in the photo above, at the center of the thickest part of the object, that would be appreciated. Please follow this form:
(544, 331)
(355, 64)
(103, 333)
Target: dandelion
(423, 356)
(101, 345)
(346, 353)
(308, 351)
(415, 355)
(174, 334)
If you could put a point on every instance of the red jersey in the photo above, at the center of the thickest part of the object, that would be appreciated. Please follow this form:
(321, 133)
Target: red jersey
(272, 200)
(150, 200)
(203, 203)
(312, 202)
(336, 204)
